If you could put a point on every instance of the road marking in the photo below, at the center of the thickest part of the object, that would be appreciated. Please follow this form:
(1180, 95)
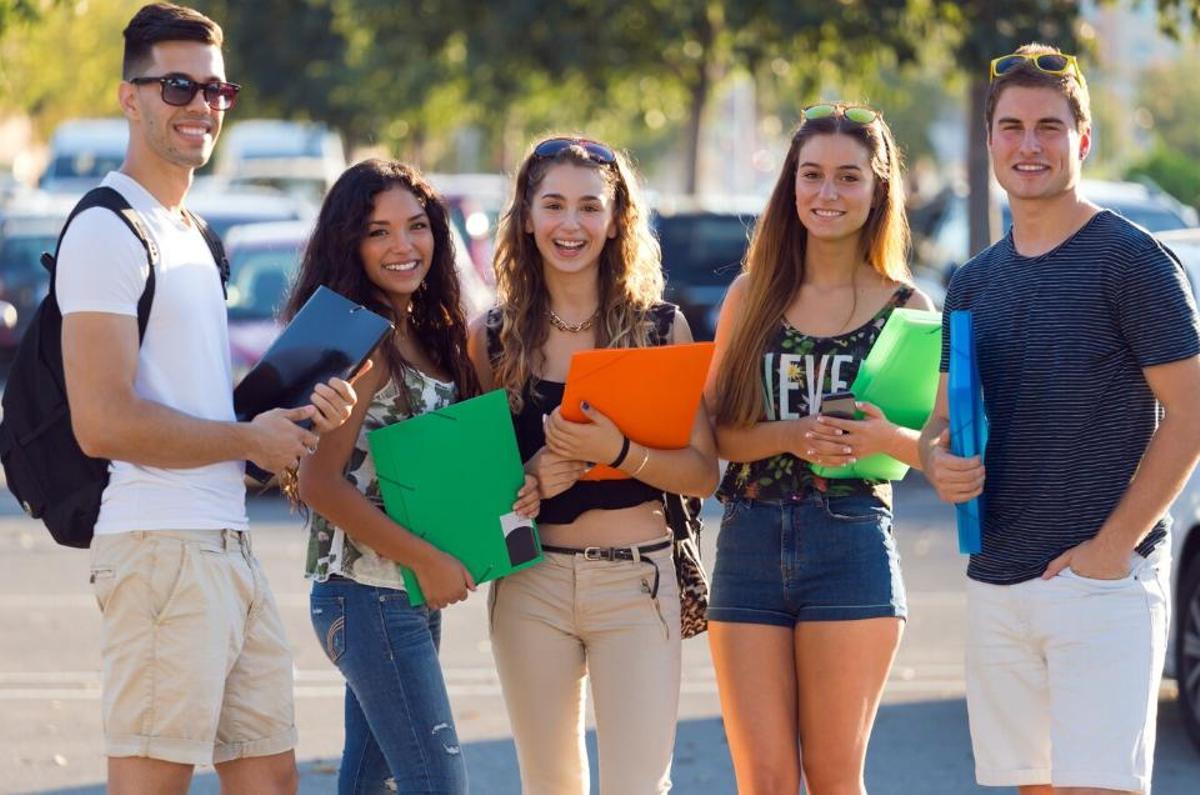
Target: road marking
(460, 681)
(20, 601)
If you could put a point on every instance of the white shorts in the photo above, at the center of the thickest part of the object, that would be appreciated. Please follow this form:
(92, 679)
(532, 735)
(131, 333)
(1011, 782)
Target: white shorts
(1063, 677)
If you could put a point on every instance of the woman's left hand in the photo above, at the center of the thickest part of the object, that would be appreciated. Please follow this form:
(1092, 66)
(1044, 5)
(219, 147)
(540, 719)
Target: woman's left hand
(598, 441)
(334, 400)
(528, 502)
(871, 435)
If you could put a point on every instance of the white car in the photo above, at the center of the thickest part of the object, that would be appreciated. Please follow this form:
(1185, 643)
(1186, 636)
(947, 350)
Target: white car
(82, 151)
(1183, 655)
(941, 229)
(303, 159)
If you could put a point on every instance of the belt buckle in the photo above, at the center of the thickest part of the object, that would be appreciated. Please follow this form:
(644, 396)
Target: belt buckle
(595, 553)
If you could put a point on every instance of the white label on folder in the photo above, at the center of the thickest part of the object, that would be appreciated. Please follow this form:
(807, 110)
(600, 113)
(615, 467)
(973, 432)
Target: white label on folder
(511, 521)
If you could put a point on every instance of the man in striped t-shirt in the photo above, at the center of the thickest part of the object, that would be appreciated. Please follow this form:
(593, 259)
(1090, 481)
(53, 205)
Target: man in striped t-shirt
(1087, 343)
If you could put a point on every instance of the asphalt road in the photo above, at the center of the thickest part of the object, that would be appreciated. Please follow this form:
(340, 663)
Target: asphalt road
(49, 675)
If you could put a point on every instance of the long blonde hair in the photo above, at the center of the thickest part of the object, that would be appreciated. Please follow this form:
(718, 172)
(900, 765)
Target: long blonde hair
(630, 272)
(774, 263)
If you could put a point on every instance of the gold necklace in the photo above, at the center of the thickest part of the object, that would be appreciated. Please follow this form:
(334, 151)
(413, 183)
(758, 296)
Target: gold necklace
(571, 328)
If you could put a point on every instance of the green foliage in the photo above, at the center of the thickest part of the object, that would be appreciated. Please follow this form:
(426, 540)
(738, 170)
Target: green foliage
(14, 12)
(293, 62)
(1169, 109)
(1176, 172)
(410, 77)
(1171, 104)
(62, 60)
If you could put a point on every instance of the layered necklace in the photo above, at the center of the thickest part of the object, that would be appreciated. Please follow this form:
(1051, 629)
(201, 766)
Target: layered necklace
(571, 328)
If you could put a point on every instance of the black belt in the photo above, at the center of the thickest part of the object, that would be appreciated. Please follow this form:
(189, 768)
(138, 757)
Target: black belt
(614, 554)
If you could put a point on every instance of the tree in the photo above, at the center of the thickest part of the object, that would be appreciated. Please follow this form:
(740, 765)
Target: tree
(294, 62)
(1168, 108)
(17, 11)
(52, 67)
(684, 47)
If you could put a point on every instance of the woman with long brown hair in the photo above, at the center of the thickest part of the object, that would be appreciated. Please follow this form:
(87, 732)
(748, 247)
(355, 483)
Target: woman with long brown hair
(382, 239)
(807, 600)
(577, 268)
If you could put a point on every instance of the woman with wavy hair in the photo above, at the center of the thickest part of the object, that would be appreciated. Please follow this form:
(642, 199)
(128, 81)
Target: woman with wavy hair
(382, 240)
(577, 268)
(807, 601)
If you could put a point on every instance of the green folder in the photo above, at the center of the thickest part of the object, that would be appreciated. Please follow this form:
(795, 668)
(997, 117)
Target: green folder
(451, 477)
(900, 376)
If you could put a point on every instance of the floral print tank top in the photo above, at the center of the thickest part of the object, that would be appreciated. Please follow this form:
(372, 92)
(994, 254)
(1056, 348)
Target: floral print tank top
(330, 549)
(797, 370)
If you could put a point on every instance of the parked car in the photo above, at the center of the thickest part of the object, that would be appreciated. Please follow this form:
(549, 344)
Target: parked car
(263, 260)
(941, 227)
(476, 202)
(1183, 653)
(703, 245)
(23, 280)
(225, 207)
(302, 159)
(82, 151)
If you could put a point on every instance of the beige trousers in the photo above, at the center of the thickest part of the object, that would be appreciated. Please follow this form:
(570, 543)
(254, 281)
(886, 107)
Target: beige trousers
(569, 619)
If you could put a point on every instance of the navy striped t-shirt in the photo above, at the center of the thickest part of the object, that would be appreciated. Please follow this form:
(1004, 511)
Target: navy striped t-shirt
(1061, 341)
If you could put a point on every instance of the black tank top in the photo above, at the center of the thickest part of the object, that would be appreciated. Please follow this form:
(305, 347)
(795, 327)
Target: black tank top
(541, 399)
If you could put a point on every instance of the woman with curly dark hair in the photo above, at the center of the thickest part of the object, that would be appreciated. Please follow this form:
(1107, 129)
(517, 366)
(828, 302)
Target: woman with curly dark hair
(382, 239)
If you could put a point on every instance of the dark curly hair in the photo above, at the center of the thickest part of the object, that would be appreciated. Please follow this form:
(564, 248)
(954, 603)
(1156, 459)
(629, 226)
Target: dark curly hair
(332, 259)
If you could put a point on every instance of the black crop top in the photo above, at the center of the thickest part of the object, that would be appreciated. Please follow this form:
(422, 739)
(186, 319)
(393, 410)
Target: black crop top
(542, 399)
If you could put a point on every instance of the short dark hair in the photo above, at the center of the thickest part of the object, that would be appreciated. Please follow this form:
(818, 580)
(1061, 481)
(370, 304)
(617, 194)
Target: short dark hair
(159, 22)
(1071, 85)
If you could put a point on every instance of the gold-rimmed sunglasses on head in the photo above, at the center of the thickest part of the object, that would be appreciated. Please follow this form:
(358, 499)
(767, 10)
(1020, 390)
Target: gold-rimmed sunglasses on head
(1051, 63)
(859, 114)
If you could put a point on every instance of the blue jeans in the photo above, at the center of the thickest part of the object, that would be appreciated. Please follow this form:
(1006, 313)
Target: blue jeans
(399, 727)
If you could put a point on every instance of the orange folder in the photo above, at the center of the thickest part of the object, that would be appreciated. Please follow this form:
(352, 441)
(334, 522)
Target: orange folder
(650, 393)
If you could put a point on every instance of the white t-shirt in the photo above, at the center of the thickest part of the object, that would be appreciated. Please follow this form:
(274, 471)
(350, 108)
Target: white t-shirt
(183, 362)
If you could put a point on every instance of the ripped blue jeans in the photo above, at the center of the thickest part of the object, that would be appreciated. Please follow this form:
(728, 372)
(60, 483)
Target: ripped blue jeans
(400, 735)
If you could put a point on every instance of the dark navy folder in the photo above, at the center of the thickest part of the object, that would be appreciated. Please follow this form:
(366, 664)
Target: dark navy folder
(330, 337)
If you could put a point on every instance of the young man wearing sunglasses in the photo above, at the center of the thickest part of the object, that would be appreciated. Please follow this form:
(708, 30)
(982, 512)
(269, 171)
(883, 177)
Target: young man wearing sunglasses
(196, 665)
(1087, 346)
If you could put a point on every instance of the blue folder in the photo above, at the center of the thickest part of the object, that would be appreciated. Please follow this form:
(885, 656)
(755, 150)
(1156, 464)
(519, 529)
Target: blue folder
(968, 422)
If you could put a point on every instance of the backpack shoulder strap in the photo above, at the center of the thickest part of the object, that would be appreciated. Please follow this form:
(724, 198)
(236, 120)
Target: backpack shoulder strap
(216, 247)
(110, 199)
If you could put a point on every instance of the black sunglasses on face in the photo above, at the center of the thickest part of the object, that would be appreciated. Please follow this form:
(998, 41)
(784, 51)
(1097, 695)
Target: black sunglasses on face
(596, 151)
(179, 91)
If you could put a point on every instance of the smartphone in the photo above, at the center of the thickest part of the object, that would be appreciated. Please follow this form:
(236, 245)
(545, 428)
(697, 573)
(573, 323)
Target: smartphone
(839, 404)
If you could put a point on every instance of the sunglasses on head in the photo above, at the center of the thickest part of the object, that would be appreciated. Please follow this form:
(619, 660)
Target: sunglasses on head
(179, 90)
(1052, 63)
(859, 114)
(596, 151)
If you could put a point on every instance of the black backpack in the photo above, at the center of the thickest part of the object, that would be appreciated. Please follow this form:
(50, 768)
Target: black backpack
(45, 468)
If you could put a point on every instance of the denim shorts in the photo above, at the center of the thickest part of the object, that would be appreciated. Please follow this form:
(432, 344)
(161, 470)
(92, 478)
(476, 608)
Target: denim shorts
(816, 559)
